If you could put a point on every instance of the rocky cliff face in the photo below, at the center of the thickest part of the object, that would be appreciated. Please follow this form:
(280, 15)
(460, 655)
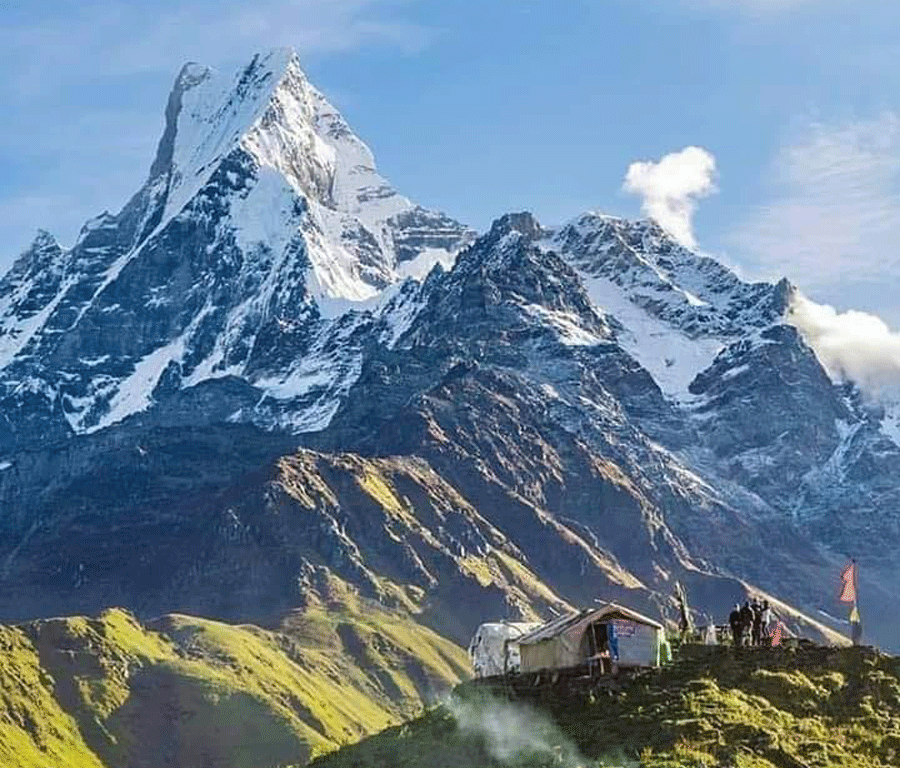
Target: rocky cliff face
(271, 380)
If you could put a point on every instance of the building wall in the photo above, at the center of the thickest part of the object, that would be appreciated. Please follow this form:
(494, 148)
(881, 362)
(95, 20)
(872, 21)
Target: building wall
(556, 653)
(638, 644)
(638, 647)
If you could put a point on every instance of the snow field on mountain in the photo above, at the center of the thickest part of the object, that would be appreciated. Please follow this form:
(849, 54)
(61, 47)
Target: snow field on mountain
(671, 357)
(134, 394)
(890, 425)
(419, 267)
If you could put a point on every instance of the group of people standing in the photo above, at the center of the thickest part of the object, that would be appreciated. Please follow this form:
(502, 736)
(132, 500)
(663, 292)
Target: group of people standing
(750, 623)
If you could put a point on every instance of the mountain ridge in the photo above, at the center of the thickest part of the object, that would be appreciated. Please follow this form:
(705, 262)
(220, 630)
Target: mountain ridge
(274, 196)
(618, 412)
(113, 691)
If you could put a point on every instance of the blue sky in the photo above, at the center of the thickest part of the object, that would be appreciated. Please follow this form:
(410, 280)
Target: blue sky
(477, 107)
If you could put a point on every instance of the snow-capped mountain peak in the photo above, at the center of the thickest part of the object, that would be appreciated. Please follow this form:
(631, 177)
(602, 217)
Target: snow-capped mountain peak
(677, 309)
(270, 111)
(262, 210)
(598, 369)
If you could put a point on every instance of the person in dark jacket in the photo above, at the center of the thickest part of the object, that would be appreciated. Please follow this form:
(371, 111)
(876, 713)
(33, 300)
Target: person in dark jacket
(746, 616)
(756, 635)
(737, 631)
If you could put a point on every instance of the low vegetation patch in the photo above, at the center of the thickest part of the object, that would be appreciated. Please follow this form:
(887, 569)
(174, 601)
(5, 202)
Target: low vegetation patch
(113, 693)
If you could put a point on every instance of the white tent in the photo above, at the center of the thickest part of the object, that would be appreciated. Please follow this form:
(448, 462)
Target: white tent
(494, 649)
(576, 639)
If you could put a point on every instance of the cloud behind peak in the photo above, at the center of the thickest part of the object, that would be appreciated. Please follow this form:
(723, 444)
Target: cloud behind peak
(671, 187)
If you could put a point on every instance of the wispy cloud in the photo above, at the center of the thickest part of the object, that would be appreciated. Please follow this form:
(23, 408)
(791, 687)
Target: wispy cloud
(854, 346)
(128, 38)
(833, 215)
(670, 188)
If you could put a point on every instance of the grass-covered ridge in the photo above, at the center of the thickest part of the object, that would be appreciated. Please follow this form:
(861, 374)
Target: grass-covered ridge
(814, 707)
(112, 693)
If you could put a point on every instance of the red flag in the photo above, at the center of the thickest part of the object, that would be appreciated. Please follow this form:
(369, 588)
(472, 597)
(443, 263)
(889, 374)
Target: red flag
(776, 635)
(848, 595)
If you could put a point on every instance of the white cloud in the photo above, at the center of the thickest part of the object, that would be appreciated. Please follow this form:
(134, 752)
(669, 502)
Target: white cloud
(833, 217)
(854, 346)
(671, 187)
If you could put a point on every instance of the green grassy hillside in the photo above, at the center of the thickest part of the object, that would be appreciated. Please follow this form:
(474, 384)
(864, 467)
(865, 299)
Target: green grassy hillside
(812, 707)
(111, 693)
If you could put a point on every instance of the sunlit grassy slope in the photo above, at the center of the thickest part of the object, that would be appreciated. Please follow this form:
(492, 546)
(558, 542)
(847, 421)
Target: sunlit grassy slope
(187, 692)
(815, 708)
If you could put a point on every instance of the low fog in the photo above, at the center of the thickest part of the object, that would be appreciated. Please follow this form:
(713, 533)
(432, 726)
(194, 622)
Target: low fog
(513, 733)
(853, 346)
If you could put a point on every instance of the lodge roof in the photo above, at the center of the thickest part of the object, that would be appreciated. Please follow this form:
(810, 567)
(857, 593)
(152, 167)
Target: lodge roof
(562, 624)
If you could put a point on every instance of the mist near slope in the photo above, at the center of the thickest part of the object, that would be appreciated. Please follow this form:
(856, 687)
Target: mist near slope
(517, 735)
(853, 346)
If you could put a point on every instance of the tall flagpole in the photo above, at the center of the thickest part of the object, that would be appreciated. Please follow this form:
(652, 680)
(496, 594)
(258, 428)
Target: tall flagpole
(855, 623)
(850, 595)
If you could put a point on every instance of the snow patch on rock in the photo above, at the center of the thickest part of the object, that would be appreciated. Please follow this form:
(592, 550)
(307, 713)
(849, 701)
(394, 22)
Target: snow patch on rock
(567, 325)
(671, 357)
(134, 394)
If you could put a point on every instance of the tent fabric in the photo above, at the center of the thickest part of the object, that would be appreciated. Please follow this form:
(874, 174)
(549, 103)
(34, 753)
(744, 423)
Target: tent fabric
(562, 642)
(665, 651)
(494, 649)
(554, 653)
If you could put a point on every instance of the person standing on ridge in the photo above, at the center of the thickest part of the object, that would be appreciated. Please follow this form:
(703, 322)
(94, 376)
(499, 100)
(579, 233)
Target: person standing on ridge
(756, 637)
(765, 619)
(746, 616)
(734, 620)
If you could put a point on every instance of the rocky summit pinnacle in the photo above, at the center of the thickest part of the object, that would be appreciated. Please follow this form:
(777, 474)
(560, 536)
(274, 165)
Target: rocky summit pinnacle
(262, 211)
(524, 223)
